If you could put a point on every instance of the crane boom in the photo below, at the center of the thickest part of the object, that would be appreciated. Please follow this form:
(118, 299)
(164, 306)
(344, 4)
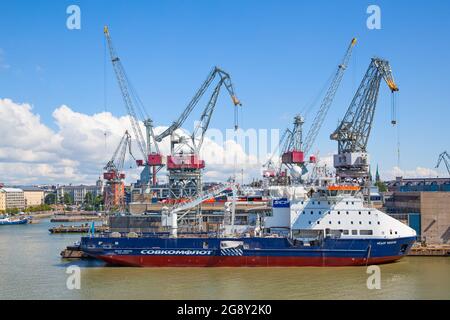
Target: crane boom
(444, 157)
(353, 132)
(328, 99)
(224, 79)
(129, 98)
(116, 163)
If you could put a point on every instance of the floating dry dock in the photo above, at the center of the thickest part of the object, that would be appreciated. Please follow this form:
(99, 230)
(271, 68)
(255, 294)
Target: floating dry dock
(76, 219)
(430, 250)
(77, 229)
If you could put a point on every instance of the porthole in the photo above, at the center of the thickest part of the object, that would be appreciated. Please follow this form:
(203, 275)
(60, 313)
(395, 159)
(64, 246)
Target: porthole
(360, 222)
(312, 212)
(351, 222)
(329, 222)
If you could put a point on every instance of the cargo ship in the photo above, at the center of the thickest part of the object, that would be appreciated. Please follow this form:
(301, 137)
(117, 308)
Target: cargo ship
(329, 226)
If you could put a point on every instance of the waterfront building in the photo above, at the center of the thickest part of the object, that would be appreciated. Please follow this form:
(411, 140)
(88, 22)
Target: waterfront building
(33, 196)
(423, 204)
(13, 198)
(78, 193)
(2, 201)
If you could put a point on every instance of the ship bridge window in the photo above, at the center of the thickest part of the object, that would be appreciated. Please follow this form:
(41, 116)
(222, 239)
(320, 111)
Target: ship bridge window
(366, 232)
(354, 232)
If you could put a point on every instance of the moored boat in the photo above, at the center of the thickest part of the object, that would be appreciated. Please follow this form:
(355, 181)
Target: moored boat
(331, 227)
(13, 221)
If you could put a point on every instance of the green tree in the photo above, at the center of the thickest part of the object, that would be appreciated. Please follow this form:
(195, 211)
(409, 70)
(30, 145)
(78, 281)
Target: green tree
(67, 199)
(98, 201)
(381, 186)
(89, 198)
(50, 199)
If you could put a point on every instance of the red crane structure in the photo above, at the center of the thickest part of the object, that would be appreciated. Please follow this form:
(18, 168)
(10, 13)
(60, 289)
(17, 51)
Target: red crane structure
(114, 192)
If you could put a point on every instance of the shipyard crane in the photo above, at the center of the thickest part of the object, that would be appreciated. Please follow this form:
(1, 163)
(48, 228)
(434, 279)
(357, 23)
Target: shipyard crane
(352, 134)
(146, 144)
(293, 146)
(199, 132)
(444, 157)
(114, 192)
(185, 166)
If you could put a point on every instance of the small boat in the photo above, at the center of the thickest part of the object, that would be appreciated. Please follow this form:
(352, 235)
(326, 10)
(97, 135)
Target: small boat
(11, 221)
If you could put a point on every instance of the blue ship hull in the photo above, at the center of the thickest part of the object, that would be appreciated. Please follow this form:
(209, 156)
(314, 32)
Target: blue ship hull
(253, 252)
(13, 222)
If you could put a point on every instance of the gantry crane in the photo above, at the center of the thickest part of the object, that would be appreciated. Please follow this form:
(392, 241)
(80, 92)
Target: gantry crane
(152, 158)
(114, 192)
(184, 163)
(293, 147)
(444, 157)
(352, 134)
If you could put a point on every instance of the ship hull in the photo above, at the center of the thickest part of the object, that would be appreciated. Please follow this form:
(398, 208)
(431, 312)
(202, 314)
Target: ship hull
(269, 252)
(217, 261)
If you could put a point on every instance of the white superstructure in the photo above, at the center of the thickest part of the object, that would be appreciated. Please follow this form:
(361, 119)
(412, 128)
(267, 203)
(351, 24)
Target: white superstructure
(340, 213)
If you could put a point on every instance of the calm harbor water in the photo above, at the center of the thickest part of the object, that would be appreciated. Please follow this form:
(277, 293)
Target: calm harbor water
(31, 268)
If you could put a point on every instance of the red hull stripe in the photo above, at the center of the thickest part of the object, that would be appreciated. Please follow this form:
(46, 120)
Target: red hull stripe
(240, 261)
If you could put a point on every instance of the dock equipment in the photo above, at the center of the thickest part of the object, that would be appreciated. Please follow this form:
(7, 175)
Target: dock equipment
(184, 163)
(444, 157)
(152, 158)
(293, 146)
(114, 192)
(352, 134)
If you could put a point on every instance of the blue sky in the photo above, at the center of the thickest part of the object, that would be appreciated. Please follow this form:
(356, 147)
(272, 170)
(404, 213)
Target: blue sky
(279, 54)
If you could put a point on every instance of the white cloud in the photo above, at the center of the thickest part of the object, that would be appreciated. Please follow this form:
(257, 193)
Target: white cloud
(32, 153)
(418, 172)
